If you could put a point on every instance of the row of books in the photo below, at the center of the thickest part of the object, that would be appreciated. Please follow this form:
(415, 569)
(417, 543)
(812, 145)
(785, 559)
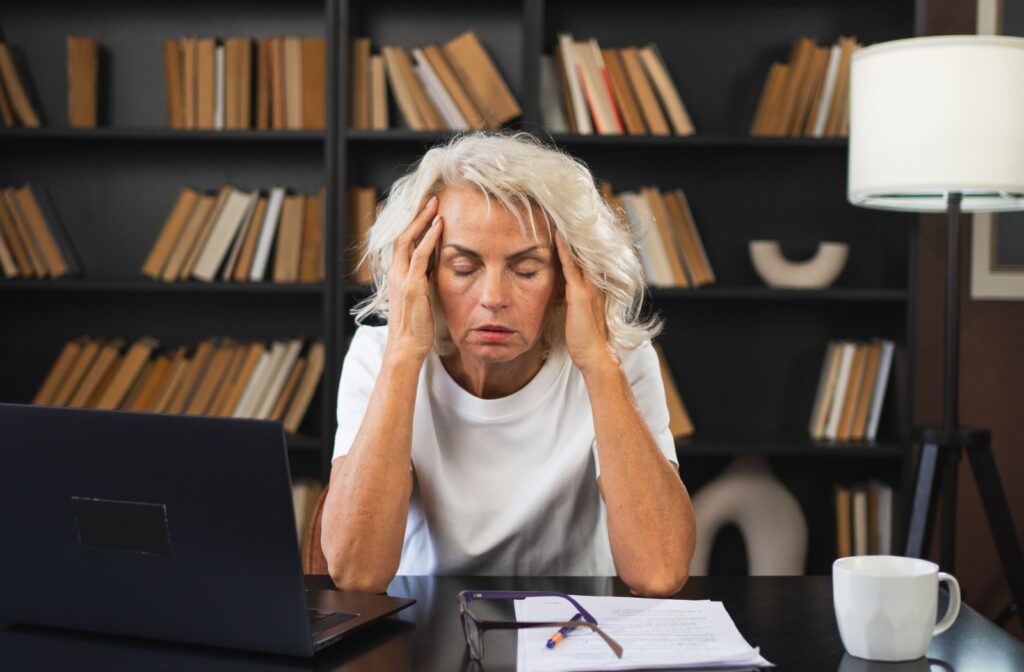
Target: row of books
(210, 83)
(671, 249)
(219, 377)
(851, 390)
(15, 100)
(810, 95)
(863, 519)
(451, 87)
(241, 236)
(33, 241)
(587, 89)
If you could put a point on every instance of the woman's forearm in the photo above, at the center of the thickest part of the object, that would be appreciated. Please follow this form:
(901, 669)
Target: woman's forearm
(650, 519)
(368, 501)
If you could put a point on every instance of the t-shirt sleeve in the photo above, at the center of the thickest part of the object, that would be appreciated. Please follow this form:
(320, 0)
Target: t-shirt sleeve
(358, 375)
(644, 374)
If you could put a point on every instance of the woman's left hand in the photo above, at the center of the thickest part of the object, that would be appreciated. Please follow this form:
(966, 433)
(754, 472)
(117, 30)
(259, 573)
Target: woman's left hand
(586, 331)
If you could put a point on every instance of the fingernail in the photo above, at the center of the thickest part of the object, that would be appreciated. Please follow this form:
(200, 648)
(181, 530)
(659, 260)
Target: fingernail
(437, 218)
(430, 203)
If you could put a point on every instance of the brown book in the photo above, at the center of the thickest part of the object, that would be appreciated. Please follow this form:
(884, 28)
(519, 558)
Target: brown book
(189, 76)
(17, 246)
(810, 92)
(212, 382)
(83, 363)
(172, 381)
(252, 236)
(799, 62)
(359, 84)
(768, 91)
(852, 392)
(170, 233)
(237, 380)
(58, 372)
(690, 246)
(867, 387)
(311, 258)
(288, 244)
(844, 530)
(248, 222)
(667, 91)
(844, 111)
(872, 495)
(140, 383)
(232, 84)
(663, 230)
(25, 232)
(293, 79)
(362, 212)
(192, 376)
(288, 390)
(655, 119)
(7, 264)
(378, 94)
(306, 388)
(263, 83)
(127, 373)
(6, 111)
(173, 78)
(624, 98)
(773, 104)
(15, 89)
(314, 83)
(204, 232)
(206, 82)
(183, 246)
(424, 103)
(93, 381)
(679, 422)
(840, 97)
(149, 385)
(52, 256)
(278, 109)
(401, 90)
(482, 80)
(439, 62)
(83, 66)
(108, 378)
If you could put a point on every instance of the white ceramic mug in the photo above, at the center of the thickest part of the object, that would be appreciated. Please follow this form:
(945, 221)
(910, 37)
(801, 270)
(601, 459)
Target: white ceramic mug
(886, 604)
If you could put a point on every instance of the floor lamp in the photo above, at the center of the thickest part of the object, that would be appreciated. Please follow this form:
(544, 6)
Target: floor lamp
(937, 125)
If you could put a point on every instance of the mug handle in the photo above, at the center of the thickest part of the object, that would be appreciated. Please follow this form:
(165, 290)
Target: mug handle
(953, 608)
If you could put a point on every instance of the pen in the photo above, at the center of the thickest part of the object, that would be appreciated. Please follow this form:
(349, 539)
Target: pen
(562, 632)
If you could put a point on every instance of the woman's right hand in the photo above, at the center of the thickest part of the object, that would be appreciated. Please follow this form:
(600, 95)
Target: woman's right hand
(410, 322)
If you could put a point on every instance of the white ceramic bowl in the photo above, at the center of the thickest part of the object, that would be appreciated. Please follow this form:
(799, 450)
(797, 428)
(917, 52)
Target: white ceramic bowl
(818, 272)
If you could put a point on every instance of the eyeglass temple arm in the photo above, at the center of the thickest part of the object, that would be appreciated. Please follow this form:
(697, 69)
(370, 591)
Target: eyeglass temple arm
(471, 595)
(515, 625)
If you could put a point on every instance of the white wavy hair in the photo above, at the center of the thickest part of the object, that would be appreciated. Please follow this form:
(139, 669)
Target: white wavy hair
(520, 171)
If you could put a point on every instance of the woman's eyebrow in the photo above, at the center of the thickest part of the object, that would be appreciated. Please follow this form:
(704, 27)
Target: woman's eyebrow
(510, 257)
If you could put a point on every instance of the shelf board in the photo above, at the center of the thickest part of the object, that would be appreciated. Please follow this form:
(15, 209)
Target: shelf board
(787, 447)
(145, 285)
(716, 140)
(159, 134)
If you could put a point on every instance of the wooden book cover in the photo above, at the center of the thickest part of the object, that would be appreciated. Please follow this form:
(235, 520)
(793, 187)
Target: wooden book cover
(173, 77)
(401, 91)
(852, 391)
(278, 92)
(840, 97)
(359, 84)
(108, 356)
(439, 62)
(663, 231)
(83, 67)
(245, 79)
(655, 119)
(293, 79)
(565, 72)
(799, 62)
(362, 211)
(206, 82)
(281, 367)
(288, 246)
(59, 372)
(809, 91)
(192, 379)
(687, 238)
(768, 91)
(243, 267)
(238, 379)
(428, 111)
(150, 383)
(13, 238)
(51, 255)
(220, 363)
(232, 84)
(263, 83)
(679, 422)
(183, 246)
(667, 91)
(16, 89)
(844, 527)
(171, 232)
(134, 361)
(867, 388)
(288, 390)
(311, 258)
(483, 82)
(774, 102)
(306, 388)
(228, 269)
(189, 73)
(237, 206)
(26, 234)
(624, 97)
(204, 232)
(314, 83)
(379, 114)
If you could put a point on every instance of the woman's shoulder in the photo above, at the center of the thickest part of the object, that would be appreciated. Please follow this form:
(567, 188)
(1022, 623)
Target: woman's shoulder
(639, 361)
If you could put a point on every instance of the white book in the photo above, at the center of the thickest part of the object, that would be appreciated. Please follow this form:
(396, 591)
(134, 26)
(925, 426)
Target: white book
(835, 410)
(579, 106)
(245, 403)
(236, 207)
(635, 225)
(881, 383)
(277, 353)
(827, 91)
(820, 397)
(277, 383)
(883, 494)
(236, 247)
(267, 234)
(438, 92)
(652, 241)
(860, 521)
(218, 91)
(552, 116)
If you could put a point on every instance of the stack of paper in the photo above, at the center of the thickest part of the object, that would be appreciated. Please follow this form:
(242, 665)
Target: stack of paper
(653, 633)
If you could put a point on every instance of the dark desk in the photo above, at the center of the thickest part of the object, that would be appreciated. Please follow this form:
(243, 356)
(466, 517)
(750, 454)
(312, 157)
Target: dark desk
(790, 618)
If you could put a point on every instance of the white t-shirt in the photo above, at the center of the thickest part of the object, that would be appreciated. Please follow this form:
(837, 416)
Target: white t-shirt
(507, 486)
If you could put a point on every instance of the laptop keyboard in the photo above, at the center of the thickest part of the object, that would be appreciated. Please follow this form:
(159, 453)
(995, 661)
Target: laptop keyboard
(321, 620)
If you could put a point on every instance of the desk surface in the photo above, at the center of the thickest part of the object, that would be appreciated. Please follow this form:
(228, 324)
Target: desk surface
(790, 618)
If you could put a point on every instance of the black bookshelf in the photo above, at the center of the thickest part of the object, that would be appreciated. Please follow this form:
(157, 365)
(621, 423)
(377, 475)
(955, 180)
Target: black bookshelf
(746, 357)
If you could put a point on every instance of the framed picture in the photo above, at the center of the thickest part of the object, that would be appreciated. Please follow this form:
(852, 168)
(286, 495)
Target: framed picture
(997, 256)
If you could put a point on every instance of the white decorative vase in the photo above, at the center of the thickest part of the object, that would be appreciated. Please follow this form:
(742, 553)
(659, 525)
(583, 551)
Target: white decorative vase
(768, 516)
(818, 272)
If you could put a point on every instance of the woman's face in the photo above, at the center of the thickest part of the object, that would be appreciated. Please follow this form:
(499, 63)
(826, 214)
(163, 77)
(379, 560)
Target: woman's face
(495, 282)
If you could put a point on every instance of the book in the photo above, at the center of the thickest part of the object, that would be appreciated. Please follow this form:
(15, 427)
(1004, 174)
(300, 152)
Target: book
(13, 239)
(859, 507)
(83, 75)
(237, 206)
(243, 267)
(578, 110)
(206, 83)
(401, 90)
(379, 114)
(667, 91)
(314, 83)
(438, 93)
(43, 229)
(293, 78)
(228, 267)
(218, 88)
(844, 526)
(311, 259)
(691, 246)
(594, 92)
(221, 360)
(552, 114)
(867, 388)
(107, 357)
(823, 106)
(280, 370)
(362, 203)
(203, 234)
(192, 376)
(839, 397)
(679, 421)
(467, 108)
(654, 118)
(666, 237)
(881, 384)
(288, 390)
(263, 83)
(188, 81)
(237, 379)
(150, 383)
(61, 369)
(881, 494)
(852, 391)
(17, 89)
(826, 377)
(134, 361)
(181, 249)
(268, 231)
(481, 78)
(359, 84)
(288, 246)
(25, 233)
(306, 388)
(625, 100)
(171, 232)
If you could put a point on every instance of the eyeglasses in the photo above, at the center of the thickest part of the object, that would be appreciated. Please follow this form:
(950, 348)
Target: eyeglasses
(473, 627)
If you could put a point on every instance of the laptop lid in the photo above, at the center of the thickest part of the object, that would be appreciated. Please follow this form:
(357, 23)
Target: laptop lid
(163, 526)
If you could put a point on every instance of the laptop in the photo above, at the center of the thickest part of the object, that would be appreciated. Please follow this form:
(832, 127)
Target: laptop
(163, 526)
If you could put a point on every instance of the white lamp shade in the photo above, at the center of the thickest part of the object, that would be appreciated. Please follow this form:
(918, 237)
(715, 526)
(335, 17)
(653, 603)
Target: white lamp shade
(933, 115)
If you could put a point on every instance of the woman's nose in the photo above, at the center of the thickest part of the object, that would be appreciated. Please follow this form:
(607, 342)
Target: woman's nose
(494, 293)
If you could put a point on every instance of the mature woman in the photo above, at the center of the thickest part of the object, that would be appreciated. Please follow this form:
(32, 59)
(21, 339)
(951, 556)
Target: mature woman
(510, 418)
